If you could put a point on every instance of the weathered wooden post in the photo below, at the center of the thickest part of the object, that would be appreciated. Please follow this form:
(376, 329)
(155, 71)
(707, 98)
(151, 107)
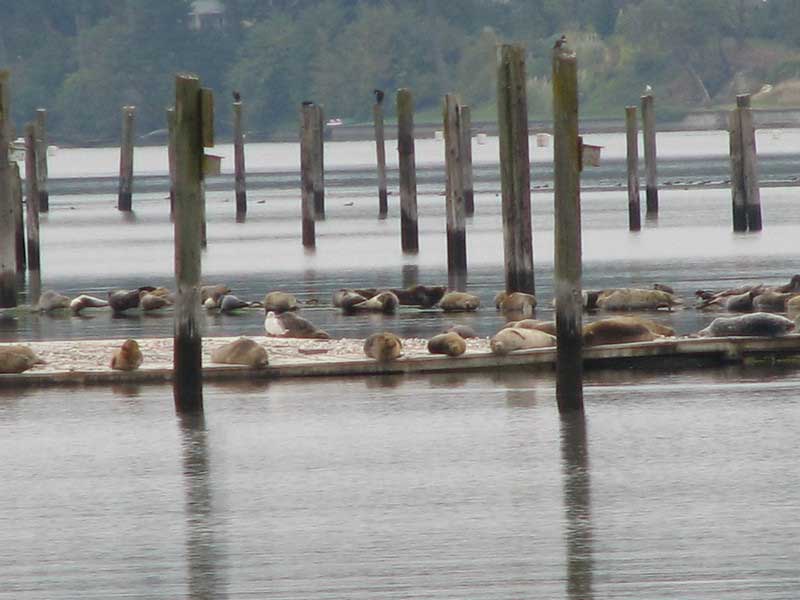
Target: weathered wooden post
(193, 131)
(512, 121)
(749, 163)
(41, 159)
(409, 233)
(318, 163)
(456, 235)
(207, 130)
(380, 147)
(171, 160)
(238, 161)
(465, 121)
(124, 200)
(568, 295)
(650, 166)
(19, 219)
(737, 178)
(8, 244)
(632, 139)
(32, 205)
(308, 116)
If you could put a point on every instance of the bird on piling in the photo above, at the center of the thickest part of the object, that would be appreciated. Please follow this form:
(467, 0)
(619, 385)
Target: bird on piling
(560, 41)
(378, 95)
(237, 97)
(308, 103)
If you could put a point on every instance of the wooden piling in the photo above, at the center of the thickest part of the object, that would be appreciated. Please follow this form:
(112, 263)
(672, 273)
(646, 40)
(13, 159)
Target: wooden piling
(380, 147)
(568, 267)
(238, 162)
(41, 159)
(632, 139)
(171, 160)
(308, 116)
(737, 178)
(512, 116)
(465, 122)
(19, 219)
(124, 200)
(456, 230)
(409, 232)
(187, 348)
(31, 204)
(650, 161)
(8, 245)
(318, 163)
(749, 163)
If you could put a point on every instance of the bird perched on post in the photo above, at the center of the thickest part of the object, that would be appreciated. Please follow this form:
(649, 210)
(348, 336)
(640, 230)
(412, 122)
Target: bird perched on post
(560, 41)
(237, 97)
(378, 95)
(308, 103)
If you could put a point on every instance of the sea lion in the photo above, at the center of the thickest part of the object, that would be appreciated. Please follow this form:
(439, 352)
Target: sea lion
(623, 330)
(122, 300)
(465, 331)
(636, 299)
(519, 303)
(508, 340)
(290, 325)
(280, 302)
(50, 300)
(754, 324)
(450, 344)
(385, 302)
(383, 347)
(230, 303)
(772, 301)
(346, 298)
(16, 358)
(420, 295)
(546, 326)
(459, 301)
(127, 357)
(215, 290)
(78, 303)
(149, 301)
(243, 351)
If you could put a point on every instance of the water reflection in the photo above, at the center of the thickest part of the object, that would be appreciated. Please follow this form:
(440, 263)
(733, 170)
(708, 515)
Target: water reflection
(204, 555)
(577, 506)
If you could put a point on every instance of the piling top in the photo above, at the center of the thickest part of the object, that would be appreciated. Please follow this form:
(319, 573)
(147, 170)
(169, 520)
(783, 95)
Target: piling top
(743, 100)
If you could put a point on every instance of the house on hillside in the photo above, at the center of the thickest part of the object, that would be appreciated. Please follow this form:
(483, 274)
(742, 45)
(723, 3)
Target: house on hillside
(206, 14)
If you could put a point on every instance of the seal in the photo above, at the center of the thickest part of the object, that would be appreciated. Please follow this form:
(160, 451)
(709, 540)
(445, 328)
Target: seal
(127, 357)
(122, 300)
(149, 301)
(78, 303)
(508, 340)
(230, 303)
(546, 326)
(636, 299)
(459, 301)
(772, 301)
(50, 301)
(346, 299)
(280, 302)
(793, 305)
(290, 325)
(384, 302)
(243, 351)
(214, 290)
(792, 286)
(16, 358)
(383, 347)
(465, 331)
(420, 295)
(623, 330)
(518, 303)
(755, 324)
(450, 344)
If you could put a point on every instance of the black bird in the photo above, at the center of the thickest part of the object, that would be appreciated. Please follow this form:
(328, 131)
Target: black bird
(560, 42)
(378, 95)
(237, 97)
(308, 103)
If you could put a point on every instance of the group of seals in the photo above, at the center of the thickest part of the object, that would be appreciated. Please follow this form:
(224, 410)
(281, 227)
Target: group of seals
(750, 298)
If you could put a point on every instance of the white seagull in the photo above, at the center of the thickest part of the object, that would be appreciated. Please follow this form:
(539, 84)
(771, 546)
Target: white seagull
(273, 325)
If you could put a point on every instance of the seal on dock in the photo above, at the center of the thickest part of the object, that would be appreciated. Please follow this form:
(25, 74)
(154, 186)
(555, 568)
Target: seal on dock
(280, 302)
(149, 301)
(17, 359)
(214, 291)
(243, 351)
(383, 302)
(755, 324)
(450, 344)
(346, 299)
(623, 330)
(459, 301)
(465, 331)
(229, 303)
(420, 295)
(127, 357)
(78, 303)
(383, 347)
(508, 340)
(546, 326)
(772, 301)
(516, 303)
(122, 300)
(50, 301)
(290, 325)
(622, 299)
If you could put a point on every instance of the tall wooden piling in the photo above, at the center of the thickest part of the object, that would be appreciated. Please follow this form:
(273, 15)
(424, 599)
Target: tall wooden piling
(465, 122)
(737, 176)
(19, 219)
(171, 160)
(650, 161)
(41, 159)
(318, 163)
(568, 267)
(380, 147)
(456, 230)
(124, 200)
(512, 117)
(409, 232)
(749, 163)
(238, 162)
(31, 196)
(308, 116)
(8, 245)
(189, 141)
(632, 139)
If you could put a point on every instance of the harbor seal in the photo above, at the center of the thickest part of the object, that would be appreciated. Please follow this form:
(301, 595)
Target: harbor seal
(420, 295)
(793, 305)
(280, 302)
(450, 344)
(149, 301)
(384, 302)
(732, 302)
(346, 299)
(546, 326)
(127, 357)
(623, 330)
(50, 301)
(459, 301)
(518, 303)
(16, 358)
(214, 290)
(230, 303)
(772, 301)
(383, 347)
(290, 325)
(508, 340)
(636, 299)
(243, 351)
(78, 303)
(754, 324)
(122, 300)
(465, 331)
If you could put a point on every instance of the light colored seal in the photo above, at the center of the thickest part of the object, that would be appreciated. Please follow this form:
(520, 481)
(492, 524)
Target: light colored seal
(78, 303)
(508, 340)
(623, 330)
(214, 290)
(636, 299)
(243, 351)
(793, 305)
(450, 344)
(518, 303)
(755, 324)
(346, 299)
(280, 302)
(383, 302)
(290, 325)
(465, 331)
(127, 357)
(149, 301)
(772, 301)
(383, 347)
(50, 300)
(546, 326)
(459, 301)
(15, 358)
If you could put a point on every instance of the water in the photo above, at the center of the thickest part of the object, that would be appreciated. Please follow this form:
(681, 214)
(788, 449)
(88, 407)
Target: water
(677, 484)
